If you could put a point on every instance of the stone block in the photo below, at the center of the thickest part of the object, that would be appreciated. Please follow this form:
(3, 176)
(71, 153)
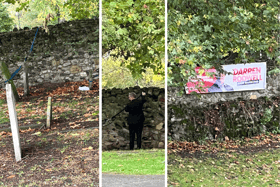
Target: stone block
(75, 69)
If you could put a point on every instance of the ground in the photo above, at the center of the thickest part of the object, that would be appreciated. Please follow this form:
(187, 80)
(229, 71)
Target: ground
(65, 155)
(243, 162)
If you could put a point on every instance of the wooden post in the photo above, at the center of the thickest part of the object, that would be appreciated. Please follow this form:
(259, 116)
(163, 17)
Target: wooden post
(90, 79)
(13, 121)
(25, 79)
(7, 76)
(49, 112)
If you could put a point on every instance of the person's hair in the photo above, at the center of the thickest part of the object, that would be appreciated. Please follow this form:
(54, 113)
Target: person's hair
(132, 94)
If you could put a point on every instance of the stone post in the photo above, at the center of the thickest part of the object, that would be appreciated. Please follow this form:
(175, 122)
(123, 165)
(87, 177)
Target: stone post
(90, 79)
(49, 112)
(13, 121)
(25, 79)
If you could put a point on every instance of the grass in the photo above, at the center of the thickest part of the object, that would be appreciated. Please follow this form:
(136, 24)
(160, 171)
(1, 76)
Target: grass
(3, 115)
(137, 162)
(225, 168)
(62, 108)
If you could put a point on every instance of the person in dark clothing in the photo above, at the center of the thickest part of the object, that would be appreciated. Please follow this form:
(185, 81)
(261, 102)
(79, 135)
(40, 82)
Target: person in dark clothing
(136, 118)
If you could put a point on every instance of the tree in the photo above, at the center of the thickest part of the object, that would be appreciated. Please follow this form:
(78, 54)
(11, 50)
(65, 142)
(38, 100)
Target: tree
(210, 33)
(135, 29)
(75, 9)
(6, 22)
(116, 76)
(80, 9)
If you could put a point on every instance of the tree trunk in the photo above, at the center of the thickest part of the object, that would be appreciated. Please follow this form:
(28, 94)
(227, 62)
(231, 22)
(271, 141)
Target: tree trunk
(6, 74)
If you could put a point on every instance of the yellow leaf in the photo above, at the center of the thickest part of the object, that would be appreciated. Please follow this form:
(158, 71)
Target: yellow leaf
(37, 133)
(200, 71)
(76, 134)
(88, 148)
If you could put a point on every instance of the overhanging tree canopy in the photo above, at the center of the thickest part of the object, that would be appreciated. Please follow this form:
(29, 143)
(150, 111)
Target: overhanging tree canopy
(208, 33)
(6, 23)
(136, 30)
(77, 9)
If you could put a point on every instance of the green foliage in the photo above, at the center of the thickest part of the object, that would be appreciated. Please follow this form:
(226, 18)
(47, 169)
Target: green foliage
(267, 116)
(33, 13)
(114, 75)
(209, 33)
(80, 9)
(6, 22)
(136, 29)
(276, 131)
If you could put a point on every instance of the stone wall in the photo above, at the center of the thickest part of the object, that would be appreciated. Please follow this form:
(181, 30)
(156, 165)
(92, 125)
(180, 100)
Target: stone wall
(232, 114)
(66, 53)
(116, 135)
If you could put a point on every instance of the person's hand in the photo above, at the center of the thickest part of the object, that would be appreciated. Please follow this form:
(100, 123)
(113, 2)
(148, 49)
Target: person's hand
(143, 93)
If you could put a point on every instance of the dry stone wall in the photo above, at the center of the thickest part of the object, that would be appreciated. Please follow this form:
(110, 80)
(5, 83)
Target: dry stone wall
(66, 53)
(216, 115)
(116, 135)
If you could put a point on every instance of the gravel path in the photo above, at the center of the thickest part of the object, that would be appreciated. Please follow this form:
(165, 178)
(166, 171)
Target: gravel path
(112, 180)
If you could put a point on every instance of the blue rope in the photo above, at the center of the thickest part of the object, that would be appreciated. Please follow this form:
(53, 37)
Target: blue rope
(32, 44)
(14, 74)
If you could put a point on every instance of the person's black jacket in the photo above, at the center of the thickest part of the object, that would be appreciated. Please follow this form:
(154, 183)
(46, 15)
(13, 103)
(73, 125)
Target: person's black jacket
(135, 109)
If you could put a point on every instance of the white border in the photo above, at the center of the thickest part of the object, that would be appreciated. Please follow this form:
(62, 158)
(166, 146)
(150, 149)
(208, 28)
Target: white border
(166, 60)
(240, 90)
(100, 93)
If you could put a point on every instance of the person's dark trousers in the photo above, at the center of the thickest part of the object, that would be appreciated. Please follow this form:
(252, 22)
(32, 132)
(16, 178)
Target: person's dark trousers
(135, 128)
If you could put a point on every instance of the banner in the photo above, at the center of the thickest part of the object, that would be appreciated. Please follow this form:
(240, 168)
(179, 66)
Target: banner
(241, 77)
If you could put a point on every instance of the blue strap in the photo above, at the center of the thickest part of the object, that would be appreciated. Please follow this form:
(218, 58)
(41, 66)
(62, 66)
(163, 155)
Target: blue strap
(32, 44)
(14, 74)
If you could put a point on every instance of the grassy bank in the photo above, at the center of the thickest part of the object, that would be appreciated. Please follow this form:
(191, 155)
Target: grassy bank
(253, 162)
(136, 162)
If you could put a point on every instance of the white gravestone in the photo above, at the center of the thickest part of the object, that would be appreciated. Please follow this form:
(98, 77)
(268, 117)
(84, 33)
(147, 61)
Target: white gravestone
(13, 121)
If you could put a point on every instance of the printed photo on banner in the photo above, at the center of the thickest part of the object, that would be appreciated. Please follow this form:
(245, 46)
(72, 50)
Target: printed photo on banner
(239, 77)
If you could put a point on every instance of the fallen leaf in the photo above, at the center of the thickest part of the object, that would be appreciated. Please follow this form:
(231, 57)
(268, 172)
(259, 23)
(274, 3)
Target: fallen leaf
(11, 176)
(87, 115)
(76, 134)
(88, 148)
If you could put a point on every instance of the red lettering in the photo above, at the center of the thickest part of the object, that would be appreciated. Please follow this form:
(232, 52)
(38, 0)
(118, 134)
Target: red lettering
(240, 72)
(249, 70)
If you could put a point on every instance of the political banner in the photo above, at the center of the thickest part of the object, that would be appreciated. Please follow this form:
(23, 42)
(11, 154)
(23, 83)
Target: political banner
(239, 77)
